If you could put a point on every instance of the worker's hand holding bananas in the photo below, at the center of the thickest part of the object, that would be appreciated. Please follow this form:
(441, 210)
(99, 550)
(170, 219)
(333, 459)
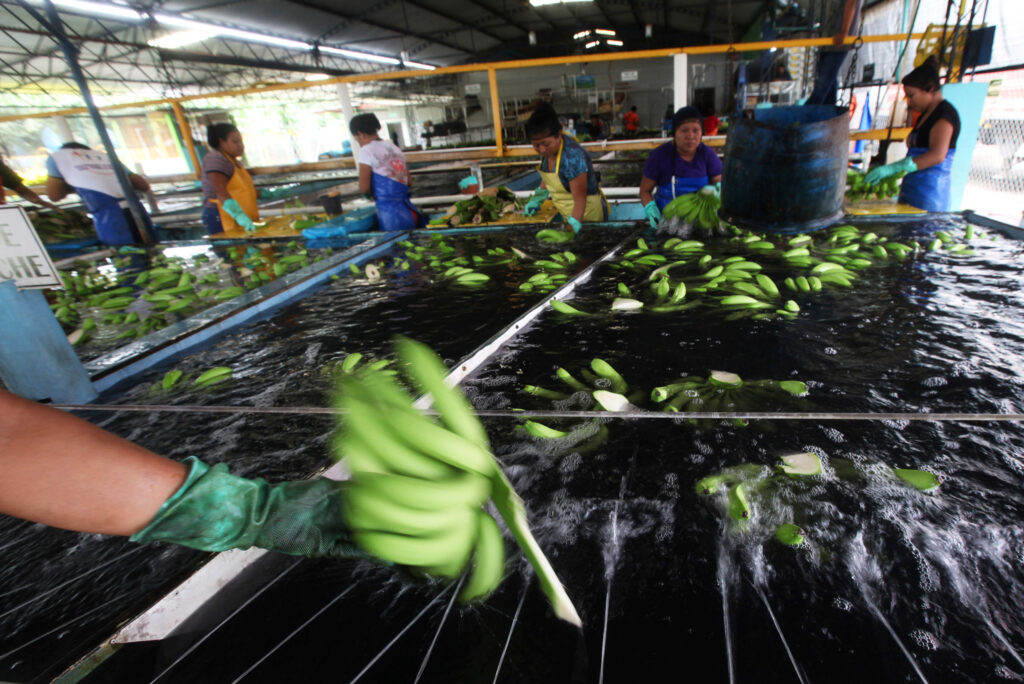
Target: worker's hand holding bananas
(877, 175)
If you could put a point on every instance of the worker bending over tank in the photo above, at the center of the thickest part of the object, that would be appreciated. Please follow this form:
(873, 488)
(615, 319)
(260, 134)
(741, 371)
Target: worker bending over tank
(76, 168)
(681, 166)
(566, 172)
(384, 174)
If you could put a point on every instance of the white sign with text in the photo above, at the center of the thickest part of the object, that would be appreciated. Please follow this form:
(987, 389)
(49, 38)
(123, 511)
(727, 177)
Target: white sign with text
(23, 257)
(630, 75)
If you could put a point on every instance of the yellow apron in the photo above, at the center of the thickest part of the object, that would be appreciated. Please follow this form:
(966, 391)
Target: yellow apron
(242, 190)
(596, 206)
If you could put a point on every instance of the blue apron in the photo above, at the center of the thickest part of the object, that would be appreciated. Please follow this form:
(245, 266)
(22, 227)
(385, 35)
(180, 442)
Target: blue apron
(679, 186)
(109, 217)
(394, 210)
(927, 189)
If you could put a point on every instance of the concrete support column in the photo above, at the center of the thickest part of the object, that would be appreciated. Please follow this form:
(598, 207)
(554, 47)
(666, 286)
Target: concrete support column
(680, 87)
(346, 109)
(63, 129)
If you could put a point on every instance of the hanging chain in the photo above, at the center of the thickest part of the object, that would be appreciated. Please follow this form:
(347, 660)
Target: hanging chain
(851, 73)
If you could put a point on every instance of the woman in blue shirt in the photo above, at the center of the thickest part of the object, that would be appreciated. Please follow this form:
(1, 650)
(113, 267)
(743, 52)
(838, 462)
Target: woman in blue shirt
(681, 166)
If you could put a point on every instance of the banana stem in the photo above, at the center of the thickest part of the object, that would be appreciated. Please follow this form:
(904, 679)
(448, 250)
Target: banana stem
(512, 511)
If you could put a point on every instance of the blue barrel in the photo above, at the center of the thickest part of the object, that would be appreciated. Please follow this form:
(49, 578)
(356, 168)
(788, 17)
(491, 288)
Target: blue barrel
(785, 171)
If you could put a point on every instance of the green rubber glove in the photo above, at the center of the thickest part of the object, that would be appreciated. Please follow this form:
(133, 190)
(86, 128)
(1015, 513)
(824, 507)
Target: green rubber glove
(718, 189)
(235, 211)
(533, 204)
(652, 213)
(905, 165)
(216, 511)
(575, 225)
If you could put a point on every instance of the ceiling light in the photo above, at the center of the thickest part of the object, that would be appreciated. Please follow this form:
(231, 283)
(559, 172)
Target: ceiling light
(541, 3)
(591, 44)
(224, 31)
(316, 77)
(179, 39)
(100, 9)
(612, 41)
(419, 65)
(365, 56)
(581, 34)
(604, 32)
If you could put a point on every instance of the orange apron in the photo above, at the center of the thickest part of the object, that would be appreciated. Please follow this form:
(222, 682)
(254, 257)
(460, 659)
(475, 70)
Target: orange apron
(242, 190)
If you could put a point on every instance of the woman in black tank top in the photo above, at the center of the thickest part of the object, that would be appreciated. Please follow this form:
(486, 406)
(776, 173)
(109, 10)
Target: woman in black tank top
(931, 144)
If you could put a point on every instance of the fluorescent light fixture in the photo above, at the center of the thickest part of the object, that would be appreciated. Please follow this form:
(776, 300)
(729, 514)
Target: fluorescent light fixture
(581, 35)
(316, 77)
(591, 44)
(180, 39)
(773, 49)
(612, 41)
(100, 9)
(193, 31)
(604, 32)
(365, 56)
(541, 3)
(224, 31)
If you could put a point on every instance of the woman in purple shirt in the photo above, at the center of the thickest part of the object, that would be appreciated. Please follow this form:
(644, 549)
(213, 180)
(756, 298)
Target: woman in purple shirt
(681, 166)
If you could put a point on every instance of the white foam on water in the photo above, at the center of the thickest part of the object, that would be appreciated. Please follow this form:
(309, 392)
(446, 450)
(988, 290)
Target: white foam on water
(312, 351)
(839, 603)
(926, 641)
(936, 381)
(570, 463)
(834, 435)
(725, 579)
(1004, 672)
(670, 488)
(831, 351)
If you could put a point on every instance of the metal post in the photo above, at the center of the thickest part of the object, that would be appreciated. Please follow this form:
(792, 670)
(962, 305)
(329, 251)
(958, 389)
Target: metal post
(55, 26)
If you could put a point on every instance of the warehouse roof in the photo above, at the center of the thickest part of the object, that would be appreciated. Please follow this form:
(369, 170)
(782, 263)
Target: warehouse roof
(138, 50)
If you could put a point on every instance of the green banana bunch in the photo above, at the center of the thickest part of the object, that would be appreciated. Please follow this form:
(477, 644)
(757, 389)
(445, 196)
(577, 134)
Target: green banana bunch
(419, 489)
(721, 391)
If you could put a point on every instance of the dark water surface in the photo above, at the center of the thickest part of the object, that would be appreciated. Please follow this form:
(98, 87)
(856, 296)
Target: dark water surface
(892, 585)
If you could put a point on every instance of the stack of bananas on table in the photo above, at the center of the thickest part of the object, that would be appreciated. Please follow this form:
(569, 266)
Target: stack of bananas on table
(857, 189)
(419, 488)
(693, 210)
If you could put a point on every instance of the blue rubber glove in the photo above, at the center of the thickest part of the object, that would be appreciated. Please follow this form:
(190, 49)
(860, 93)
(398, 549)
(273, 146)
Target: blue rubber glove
(652, 213)
(533, 204)
(575, 225)
(235, 211)
(905, 165)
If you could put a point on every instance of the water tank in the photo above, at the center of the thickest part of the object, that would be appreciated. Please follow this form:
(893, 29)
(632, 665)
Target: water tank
(785, 170)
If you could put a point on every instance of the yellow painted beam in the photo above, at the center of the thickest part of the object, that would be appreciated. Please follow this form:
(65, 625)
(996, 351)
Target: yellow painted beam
(498, 115)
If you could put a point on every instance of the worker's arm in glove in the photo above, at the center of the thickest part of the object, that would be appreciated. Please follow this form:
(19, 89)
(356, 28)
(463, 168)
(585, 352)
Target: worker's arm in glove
(235, 211)
(62, 471)
(905, 165)
(533, 204)
(652, 213)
